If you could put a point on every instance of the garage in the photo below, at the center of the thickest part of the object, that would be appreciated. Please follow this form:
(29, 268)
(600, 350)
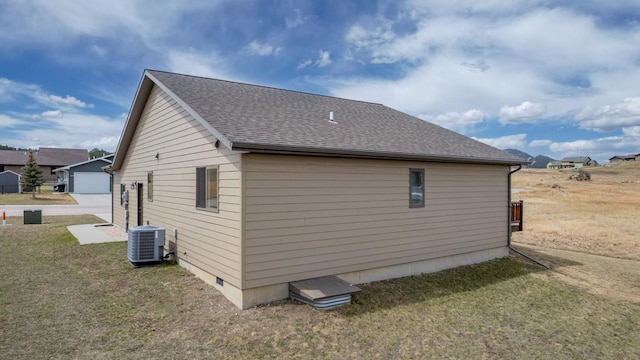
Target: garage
(91, 183)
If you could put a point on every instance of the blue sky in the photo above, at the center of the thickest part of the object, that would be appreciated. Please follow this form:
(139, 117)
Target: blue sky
(560, 78)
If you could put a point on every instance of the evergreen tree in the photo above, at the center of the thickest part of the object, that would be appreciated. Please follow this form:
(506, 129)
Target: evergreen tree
(31, 175)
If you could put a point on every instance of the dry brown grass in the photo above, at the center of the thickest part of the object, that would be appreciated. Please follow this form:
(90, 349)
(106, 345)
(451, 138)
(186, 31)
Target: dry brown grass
(44, 198)
(61, 300)
(597, 216)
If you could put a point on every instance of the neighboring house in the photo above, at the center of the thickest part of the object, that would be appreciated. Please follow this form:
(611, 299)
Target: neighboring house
(86, 177)
(48, 159)
(577, 162)
(621, 158)
(258, 187)
(9, 182)
(554, 164)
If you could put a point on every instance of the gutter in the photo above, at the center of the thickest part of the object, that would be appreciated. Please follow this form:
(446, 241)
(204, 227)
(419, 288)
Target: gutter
(509, 225)
(362, 154)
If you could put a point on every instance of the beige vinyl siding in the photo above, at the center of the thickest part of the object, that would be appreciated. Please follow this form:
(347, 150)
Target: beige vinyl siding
(207, 240)
(309, 216)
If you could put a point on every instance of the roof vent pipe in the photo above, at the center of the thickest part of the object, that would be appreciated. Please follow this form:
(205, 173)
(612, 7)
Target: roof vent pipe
(331, 118)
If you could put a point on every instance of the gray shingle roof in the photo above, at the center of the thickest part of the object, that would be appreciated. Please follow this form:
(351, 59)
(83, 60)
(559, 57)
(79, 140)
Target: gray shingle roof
(258, 118)
(577, 159)
(65, 156)
(44, 156)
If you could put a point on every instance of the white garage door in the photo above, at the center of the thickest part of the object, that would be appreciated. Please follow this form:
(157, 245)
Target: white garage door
(91, 183)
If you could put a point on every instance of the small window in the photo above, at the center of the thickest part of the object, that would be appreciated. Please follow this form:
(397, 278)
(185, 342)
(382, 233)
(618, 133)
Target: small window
(150, 186)
(207, 188)
(123, 189)
(416, 188)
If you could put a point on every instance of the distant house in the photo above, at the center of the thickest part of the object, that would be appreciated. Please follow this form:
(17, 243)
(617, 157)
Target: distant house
(48, 159)
(259, 187)
(9, 182)
(577, 162)
(554, 164)
(621, 158)
(86, 177)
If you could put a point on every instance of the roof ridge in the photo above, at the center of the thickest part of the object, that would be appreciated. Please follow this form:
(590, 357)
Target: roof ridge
(265, 87)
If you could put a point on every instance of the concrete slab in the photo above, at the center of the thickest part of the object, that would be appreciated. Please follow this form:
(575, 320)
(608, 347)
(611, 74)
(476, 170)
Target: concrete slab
(96, 234)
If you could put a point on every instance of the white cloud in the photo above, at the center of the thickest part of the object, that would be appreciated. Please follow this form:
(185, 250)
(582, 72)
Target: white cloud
(526, 112)
(81, 130)
(540, 143)
(51, 114)
(193, 62)
(506, 142)
(63, 20)
(324, 59)
(360, 37)
(69, 100)
(455, 120)
(483, 55)
(633, 131)
(611, 117)
(255, 48)
(296, 21)
(7, 121)
(14, 91)
(303, 64)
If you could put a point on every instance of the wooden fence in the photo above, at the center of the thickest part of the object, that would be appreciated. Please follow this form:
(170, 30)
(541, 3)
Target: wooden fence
(517, 208)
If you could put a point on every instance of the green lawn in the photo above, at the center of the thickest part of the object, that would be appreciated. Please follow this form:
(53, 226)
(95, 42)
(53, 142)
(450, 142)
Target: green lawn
(61, 300)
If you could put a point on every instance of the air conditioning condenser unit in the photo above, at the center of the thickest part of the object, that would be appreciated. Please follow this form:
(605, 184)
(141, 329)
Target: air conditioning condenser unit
(145, 244)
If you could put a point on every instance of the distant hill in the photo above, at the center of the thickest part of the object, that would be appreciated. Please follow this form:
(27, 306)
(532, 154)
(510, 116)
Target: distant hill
(518, 153)
(538, 162)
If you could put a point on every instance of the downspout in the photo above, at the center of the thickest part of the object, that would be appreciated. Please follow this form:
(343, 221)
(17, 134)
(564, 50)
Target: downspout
(109, 170)
(509, 225)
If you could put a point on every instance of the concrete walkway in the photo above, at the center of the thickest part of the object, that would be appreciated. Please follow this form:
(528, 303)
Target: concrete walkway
(95, 234)
(96, 204)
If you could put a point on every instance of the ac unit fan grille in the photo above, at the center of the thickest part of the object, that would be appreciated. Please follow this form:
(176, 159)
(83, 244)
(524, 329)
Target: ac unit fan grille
(146, 245)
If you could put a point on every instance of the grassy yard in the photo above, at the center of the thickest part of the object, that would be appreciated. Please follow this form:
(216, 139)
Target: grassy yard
(44, 197)
(61, 300)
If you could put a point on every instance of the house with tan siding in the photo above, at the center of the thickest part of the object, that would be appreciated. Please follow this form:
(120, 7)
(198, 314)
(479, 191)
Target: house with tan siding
(258, 187)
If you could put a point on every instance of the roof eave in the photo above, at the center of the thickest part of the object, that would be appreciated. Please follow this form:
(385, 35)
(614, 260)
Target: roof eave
(293, 150)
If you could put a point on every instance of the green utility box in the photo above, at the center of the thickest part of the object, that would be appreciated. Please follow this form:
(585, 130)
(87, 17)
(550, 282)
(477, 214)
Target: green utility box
(33, 216)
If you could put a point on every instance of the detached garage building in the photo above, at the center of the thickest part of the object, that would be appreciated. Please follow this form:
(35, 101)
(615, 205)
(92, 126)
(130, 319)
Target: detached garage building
(9, 182)
(86, 177)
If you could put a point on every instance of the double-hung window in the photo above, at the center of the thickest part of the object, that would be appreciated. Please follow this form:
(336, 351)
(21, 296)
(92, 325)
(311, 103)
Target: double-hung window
(207, 188)
(416, 188)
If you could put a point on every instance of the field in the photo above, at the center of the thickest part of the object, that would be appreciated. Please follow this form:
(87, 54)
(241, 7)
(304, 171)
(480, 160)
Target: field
(597, 216)
(61, 300)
